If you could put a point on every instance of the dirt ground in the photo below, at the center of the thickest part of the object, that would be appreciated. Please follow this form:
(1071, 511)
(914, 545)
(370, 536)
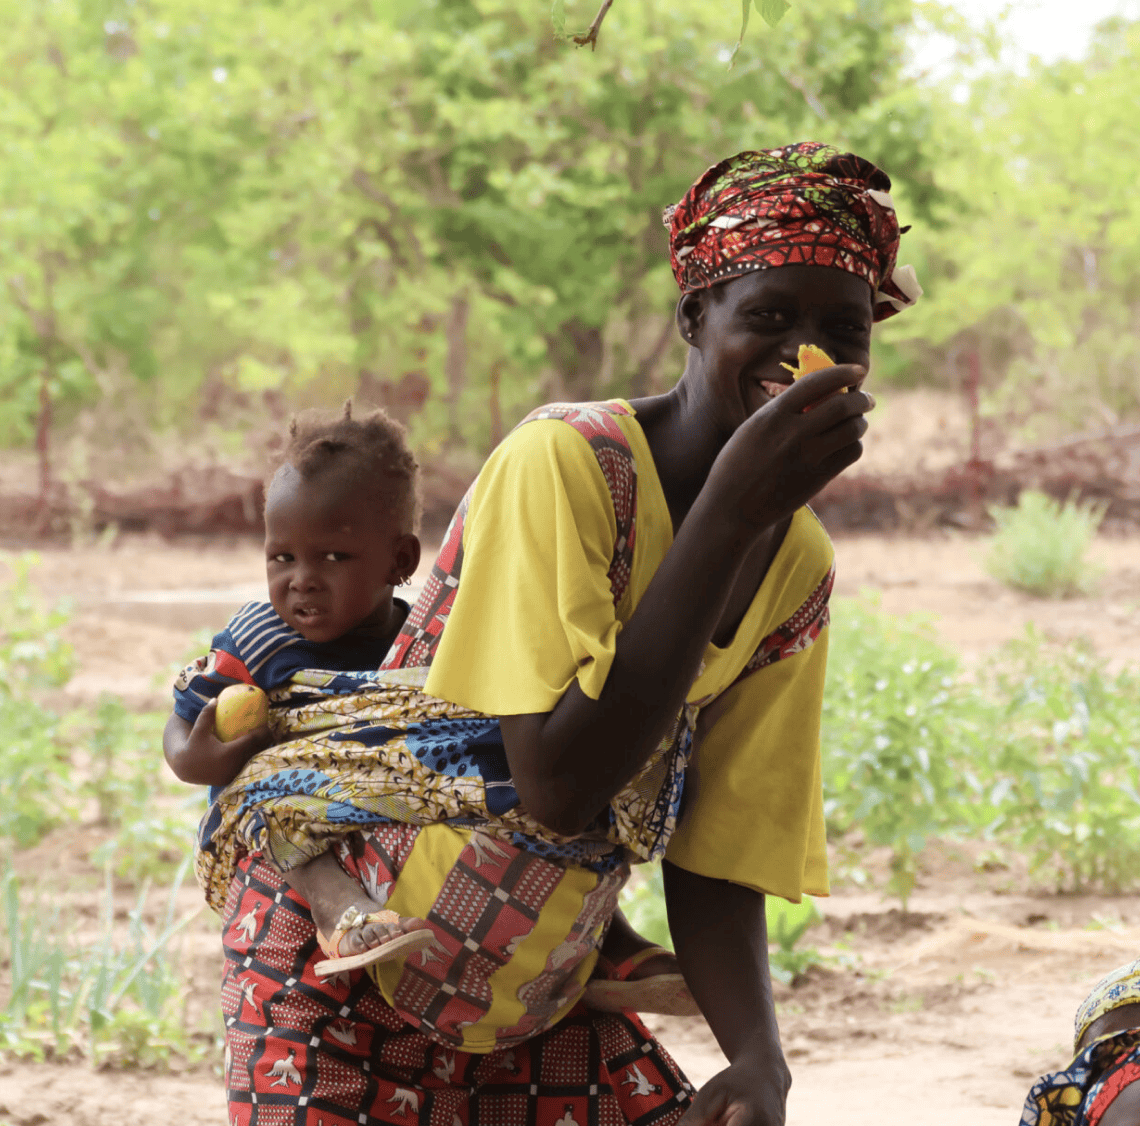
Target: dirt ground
(944, 1015)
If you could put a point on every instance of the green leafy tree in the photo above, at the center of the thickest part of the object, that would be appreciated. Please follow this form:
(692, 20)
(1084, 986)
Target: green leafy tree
(277, 201)
(1035, 265)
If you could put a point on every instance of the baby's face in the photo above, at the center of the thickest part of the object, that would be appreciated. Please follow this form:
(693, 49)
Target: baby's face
(332, 556)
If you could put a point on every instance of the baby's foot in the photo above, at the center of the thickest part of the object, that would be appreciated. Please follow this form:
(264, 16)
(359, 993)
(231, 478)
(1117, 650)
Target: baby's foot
(366, 925)
(366, 934)
(634, 974)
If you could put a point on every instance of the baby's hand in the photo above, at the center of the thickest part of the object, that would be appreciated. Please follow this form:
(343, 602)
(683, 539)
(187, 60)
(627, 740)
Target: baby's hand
(230, 757)
(197, 755)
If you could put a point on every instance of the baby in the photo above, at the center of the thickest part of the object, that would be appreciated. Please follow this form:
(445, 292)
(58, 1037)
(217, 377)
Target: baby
(340, 520)
(340, 517)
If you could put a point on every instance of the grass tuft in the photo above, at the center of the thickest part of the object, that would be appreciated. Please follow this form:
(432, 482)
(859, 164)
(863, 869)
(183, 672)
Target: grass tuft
(114, 1000)
(1040, 546)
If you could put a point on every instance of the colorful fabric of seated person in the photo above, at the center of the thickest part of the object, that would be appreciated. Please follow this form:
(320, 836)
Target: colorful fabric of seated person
(1101, 1086)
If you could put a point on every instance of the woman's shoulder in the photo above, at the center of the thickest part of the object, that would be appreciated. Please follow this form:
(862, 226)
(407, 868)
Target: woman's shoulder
(808, 539)
(573, 427)
(588, 447)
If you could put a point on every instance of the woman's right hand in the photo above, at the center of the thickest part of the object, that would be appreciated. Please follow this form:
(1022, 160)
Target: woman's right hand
(782, 455)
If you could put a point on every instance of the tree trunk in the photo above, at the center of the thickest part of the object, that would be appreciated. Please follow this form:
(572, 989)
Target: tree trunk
(43, 449)
(455, 362)
(644, 380)
(495, 407)
(575, 350)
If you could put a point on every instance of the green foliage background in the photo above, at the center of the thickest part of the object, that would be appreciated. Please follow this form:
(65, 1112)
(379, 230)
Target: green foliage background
(214, 204)
(215, 212)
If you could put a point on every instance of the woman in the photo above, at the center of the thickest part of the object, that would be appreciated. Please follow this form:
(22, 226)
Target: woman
(1101, 1086)
(619, 657)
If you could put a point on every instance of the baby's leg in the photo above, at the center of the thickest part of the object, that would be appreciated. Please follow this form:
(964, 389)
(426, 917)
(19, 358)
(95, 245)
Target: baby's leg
(346, 917)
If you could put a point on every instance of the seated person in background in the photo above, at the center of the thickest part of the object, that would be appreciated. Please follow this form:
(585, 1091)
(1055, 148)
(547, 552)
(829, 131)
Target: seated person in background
(1100, 1086)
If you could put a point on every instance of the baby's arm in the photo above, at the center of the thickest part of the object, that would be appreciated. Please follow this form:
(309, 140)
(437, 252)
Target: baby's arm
(197, 755)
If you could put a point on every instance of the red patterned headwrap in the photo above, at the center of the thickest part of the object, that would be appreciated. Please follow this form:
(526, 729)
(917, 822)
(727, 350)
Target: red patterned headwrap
(805, 204)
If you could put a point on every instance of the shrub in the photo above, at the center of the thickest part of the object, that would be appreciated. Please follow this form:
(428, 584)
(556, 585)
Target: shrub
(1065, 763)
(894, 718)
(787, 924)
(1038, 751)
(1040, 545)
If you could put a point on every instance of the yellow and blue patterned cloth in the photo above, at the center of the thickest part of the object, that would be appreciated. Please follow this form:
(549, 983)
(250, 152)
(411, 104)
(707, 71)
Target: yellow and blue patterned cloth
(546, 560)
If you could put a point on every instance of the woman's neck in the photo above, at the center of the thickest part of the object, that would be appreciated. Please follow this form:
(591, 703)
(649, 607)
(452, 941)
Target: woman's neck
(684, 441)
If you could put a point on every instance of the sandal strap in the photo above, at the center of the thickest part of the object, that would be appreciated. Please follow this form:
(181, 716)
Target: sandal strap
(351, 919)
(623, 969)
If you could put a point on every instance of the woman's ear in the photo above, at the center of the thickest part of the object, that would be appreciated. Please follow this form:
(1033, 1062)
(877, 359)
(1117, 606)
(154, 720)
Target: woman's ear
(405, 559)
(691, 316)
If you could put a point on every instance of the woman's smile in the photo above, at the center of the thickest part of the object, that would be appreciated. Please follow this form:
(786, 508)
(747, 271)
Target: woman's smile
(748, 327)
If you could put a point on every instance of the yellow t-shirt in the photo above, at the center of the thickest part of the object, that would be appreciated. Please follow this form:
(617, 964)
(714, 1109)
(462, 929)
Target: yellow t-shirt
(534, 610)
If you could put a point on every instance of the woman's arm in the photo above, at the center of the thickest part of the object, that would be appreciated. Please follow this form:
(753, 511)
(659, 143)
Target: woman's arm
(567, 764)
(720, 934)
(197, 755)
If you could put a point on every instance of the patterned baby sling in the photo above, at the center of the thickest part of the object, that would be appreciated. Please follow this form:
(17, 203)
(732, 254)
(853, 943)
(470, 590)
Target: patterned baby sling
(372, 748)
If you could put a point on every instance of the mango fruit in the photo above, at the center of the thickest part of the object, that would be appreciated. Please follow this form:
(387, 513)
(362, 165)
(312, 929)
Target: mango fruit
(242, 708)
(810, 358)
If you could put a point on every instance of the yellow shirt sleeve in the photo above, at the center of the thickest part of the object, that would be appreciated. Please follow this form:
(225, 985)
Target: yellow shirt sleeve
(534, 609)
(753, 806)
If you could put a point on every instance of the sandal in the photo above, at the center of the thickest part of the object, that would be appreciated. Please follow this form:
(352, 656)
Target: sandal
(352, 919)
(666, 994)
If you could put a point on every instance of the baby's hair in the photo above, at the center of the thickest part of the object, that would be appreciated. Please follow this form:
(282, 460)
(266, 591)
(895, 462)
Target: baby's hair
(372, 448)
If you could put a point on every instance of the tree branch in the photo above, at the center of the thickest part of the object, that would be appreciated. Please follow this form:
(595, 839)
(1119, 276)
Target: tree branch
(591, 35)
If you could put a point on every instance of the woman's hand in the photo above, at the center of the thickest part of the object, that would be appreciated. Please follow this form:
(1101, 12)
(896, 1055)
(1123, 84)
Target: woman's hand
(197, 755)
(749, 1092)
(790, 448)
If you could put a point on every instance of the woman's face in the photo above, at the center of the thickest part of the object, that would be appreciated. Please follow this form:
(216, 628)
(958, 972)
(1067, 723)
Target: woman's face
(745, 328)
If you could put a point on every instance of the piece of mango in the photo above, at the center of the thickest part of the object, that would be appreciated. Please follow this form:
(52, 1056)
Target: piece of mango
(811, 358)
(242, 708)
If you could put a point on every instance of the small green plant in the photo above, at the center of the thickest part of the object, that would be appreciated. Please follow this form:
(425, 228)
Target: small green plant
(34, 764)
(894, 715)
(36, 793)
(151, 842)
(33, 654)
(113, 1000)
(787, 924)
(1040, 546)
(152, 821)
(1065, 760)
(643, 901)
